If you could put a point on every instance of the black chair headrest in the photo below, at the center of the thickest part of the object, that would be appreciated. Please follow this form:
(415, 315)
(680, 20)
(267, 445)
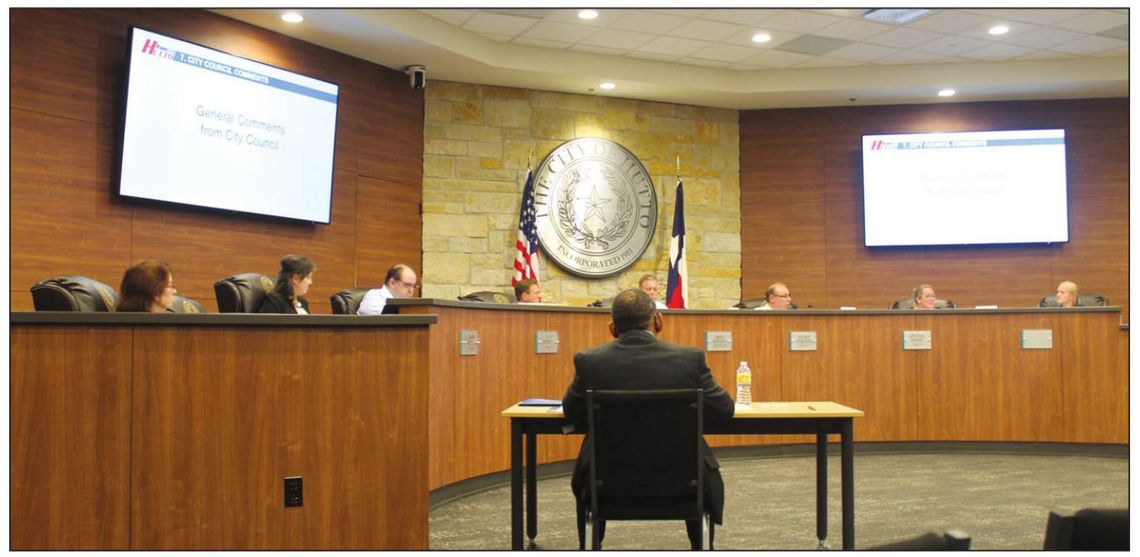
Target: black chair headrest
(487, 296)
(347, 301)
(242, 293)
(73, 293)
(182, 304)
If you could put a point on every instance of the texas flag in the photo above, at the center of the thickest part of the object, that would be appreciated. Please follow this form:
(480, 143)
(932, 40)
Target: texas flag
(677, 293)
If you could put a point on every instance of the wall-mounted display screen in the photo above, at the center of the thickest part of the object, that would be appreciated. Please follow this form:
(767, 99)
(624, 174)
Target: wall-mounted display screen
(965, 188)
(209, 129)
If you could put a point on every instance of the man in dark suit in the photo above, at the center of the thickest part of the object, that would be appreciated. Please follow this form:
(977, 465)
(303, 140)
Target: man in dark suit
(638, 361)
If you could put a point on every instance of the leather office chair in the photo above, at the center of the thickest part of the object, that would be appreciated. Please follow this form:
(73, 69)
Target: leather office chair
(242, 293)
(488, 296)
(601, 303)
(1083, 300)
(953, 540)
(182, 304)
(908, 303)
(646, 461)
(347, 301)
(1087, 530)
(73, 293)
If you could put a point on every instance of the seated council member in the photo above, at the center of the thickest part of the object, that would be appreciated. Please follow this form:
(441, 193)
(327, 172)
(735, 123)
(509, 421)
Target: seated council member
(147, 286)
(638, 360)
(399, 282)
(924, 297)
(778, 296)
(293, 281)
(528, 292)
(650, 285)
(1067, 294)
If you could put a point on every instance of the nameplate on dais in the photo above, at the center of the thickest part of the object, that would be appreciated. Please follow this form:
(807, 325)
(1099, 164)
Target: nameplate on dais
(468, 343)
(801, 341)
(718, 341)
(916, 340)
(546, 342)
(1036, 339)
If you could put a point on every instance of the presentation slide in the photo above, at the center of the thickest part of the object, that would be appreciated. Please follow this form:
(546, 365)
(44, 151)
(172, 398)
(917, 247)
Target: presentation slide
(209, 129)
(996, 187)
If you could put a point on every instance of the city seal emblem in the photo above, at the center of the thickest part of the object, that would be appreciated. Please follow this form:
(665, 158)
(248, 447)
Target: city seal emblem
(595, 207)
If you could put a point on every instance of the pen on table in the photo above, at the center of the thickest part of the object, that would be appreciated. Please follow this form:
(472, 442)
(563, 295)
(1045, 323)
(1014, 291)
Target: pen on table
(810, 407)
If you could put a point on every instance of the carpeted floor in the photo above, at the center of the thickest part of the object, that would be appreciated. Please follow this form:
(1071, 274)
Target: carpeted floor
(1001, 500)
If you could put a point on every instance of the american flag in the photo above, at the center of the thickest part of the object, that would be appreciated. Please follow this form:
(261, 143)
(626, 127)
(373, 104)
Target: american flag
(677, 291)
(526, 260)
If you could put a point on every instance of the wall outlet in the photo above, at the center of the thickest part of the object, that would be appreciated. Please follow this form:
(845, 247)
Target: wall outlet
(294, 494)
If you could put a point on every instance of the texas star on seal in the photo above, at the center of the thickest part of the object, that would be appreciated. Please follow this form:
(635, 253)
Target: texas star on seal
(596, 208)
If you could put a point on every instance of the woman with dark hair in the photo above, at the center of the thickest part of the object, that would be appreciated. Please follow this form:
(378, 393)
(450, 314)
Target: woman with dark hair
(148, 286)
(293, 282)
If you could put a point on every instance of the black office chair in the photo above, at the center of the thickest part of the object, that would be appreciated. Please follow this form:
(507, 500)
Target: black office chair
(73, 293)
(1083, 300)
(182, 304)
(645, 457)
(347, 301)
(952, 540)
(487, 296)
(242, 293)
(1087, 530)
(908, 303)
(601, 303)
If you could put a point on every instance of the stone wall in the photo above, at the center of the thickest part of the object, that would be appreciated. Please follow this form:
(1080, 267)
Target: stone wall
(476, 142)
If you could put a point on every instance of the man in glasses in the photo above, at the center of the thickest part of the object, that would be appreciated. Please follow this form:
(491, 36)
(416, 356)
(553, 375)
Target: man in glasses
(399, 282)
(779, 297)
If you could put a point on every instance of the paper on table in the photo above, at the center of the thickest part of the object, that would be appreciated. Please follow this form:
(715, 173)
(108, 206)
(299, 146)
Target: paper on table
(540, 402)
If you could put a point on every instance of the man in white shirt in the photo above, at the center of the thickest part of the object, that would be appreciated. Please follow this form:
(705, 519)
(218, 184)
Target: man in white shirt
(399, 282)
(528, 292)
(650, 285)
(779, 297)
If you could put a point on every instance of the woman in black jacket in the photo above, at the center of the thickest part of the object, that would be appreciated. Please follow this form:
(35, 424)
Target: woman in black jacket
(292, 283)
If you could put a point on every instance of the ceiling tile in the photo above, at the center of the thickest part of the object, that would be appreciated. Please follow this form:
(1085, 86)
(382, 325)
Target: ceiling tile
(909, 56)
(777, 59)
(648, 22)
(671, 46)
(853, 29)
(605, 16)
(497, 37)
(802, 21)
(723, 52)
(1093, 45)
(812, 44)
(651, 56)
(997, 51)
(484, 22)
(742, 17)
(1118, 32)
(1015, 28)
(454, 17)
(1043, 38)
(1039, 16)
(949, 21)
(706, 63)
(536, 13)
(554, 31)
(683, 12)
(706, 30)
(902, 37)
(598, 49)
(825, 62)
(862, 52)
(530, 41)
(614, 38)
(952, 46)
(1093, 22)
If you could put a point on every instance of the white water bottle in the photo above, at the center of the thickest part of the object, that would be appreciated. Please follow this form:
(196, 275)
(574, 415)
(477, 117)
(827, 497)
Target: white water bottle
(743, 385)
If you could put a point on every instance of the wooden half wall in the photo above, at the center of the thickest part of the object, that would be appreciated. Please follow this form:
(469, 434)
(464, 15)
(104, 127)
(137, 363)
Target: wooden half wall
(802, 208)
(67, 71)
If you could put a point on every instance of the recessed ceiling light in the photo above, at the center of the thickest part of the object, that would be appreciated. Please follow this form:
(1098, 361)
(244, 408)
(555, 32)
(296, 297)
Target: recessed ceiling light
(607, 85)
(588, 14)
(761, 38)
(895, 16)
(999, 29)
(292, 17)
(947, 93)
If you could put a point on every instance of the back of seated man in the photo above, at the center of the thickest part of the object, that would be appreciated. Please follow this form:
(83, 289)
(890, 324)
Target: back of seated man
(528, 292)
(637, 360)
(778, 296)
(399, 282)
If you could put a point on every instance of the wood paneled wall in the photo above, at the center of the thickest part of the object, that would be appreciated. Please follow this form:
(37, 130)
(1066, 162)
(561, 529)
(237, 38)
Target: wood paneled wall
(802, 208)
(67, 67)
